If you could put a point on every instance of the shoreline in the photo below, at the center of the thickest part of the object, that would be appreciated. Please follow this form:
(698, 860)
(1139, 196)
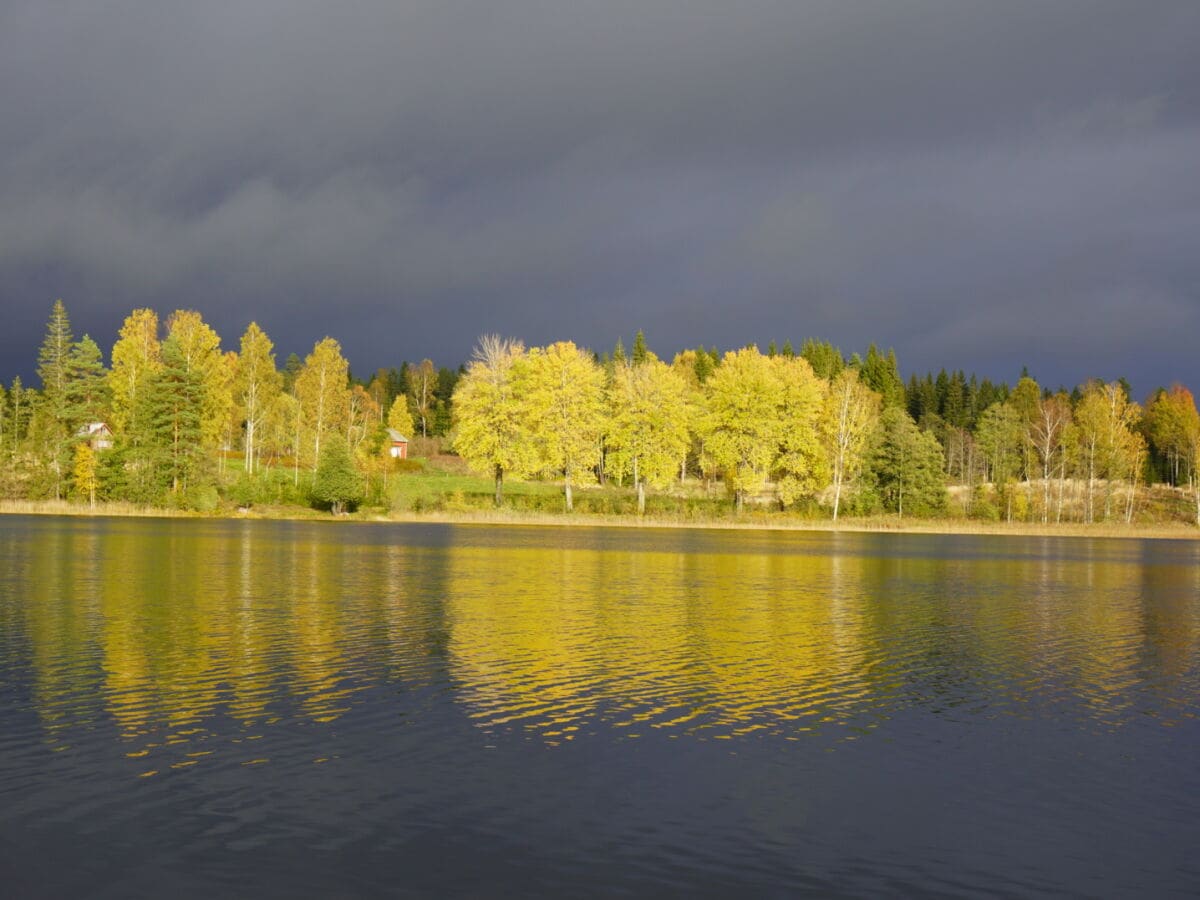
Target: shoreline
(881, 525)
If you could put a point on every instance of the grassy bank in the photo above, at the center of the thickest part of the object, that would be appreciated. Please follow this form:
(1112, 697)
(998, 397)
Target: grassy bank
(751, 520)
(441, 489)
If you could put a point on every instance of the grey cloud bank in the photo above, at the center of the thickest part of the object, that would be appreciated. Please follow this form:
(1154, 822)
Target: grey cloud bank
(977, 185)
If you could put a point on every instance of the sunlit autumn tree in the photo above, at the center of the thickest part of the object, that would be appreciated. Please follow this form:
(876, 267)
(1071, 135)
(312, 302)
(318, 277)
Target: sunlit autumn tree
(801, 468)
(1110, 447)
(491, 431)
(136, 357)
(256, 385)
(741, 423)
(561, 391)
(649, 417)
(324, 395)
(851, 411)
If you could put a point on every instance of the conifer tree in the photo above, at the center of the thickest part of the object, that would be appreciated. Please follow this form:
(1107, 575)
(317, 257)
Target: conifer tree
(200, 351)
(640, 353)
(880, 374)
(54, 371)
(618, 354)
(88, 391)
(54, 364)
(907, 466)
(173, 406)
(336, 483)
(291, 369)
(826, 360)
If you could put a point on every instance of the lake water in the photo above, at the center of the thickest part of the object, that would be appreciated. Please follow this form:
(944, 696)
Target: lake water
(222, 708)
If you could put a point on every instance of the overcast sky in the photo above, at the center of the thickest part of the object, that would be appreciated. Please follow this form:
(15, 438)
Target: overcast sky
(976, 184)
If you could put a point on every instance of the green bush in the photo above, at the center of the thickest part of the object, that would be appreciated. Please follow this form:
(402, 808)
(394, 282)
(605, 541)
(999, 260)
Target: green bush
(202, 498)
(244, 492)
(337, 486)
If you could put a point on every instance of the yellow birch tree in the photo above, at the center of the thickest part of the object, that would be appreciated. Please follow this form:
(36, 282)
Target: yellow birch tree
(324, 395)
(136, 357)
(256, 385)
(490, 430)
(801, 466)
(649, 419)
(850, 414)
(399, 418)
(84, 472)
(741, 424)
(562, 391)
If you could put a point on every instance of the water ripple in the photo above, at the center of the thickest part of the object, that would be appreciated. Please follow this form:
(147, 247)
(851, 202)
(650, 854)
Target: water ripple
(692, 709)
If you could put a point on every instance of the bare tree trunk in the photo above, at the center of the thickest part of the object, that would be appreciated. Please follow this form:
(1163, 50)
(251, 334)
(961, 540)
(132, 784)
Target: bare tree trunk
(1045, 491)
(567, 489)
(1088, 507)
(499, 498)
(1062, 480)
(837, 491)
(249, 456)
(641, 498)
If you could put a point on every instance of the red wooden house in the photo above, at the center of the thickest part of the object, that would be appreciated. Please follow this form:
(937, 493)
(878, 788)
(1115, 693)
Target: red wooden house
(399, 444)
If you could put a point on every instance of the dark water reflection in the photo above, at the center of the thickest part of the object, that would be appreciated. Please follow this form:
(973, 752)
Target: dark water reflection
(324, 710)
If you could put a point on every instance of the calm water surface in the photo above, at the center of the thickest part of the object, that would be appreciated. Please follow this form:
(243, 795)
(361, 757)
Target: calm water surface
(199, 708)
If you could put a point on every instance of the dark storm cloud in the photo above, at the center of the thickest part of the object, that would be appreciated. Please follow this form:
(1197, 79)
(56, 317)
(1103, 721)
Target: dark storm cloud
(978, 185)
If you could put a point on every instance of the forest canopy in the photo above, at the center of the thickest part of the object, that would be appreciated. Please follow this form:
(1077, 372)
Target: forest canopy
(177, 419)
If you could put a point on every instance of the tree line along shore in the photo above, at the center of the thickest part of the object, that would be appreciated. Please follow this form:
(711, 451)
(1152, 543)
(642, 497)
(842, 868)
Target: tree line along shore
(174, 421)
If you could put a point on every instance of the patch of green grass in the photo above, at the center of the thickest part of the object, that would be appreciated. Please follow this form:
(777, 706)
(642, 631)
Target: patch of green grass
(436, 489)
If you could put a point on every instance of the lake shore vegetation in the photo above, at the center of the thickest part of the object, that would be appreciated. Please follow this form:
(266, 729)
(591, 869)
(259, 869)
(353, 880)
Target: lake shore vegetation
(175, 424)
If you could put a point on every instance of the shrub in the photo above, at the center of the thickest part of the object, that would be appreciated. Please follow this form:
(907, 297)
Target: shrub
(337, 485)
(202, 498)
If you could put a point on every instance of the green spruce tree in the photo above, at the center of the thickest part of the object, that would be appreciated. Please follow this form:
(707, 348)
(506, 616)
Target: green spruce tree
(907, 466)
(640, 353)
(337, 484)
(88, 391)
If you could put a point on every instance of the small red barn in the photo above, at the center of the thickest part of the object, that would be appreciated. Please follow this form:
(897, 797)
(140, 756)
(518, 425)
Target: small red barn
(399, 444)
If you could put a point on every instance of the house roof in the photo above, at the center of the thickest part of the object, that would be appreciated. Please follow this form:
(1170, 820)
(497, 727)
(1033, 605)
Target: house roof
(94, 428)
(397, 437)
